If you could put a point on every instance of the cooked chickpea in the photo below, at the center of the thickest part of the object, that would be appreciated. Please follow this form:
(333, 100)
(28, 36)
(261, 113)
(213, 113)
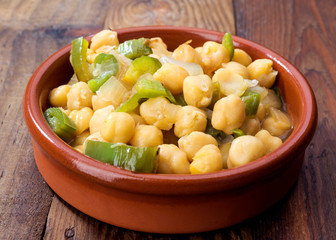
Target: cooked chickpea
(147, 136)
(58, 96)
(118, 127)
(189, 119)
(261, 69)
(229, 82)
(277, 123)
(172, 77)
(193, 142)
(159, 112)
(79, 96)
(99, 117)
(187, 53)
(270, 142)
(241, 57)
(250, 126)
(206, 160)
(245, 149)
(104, 37)
(197, 90)
(172, 160)
(271, 100)
(137, 119)
(228, 114)
(90, 55)
(99, 102)
(94, 137)
(158, 47)
(79, 148)
(213, 54)
(224, 149)
(81, 118)
(261, 112)
(80, 139)
(237, 68)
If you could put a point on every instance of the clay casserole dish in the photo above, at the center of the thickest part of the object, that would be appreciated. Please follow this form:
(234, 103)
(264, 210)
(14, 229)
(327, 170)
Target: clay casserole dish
(164, 203)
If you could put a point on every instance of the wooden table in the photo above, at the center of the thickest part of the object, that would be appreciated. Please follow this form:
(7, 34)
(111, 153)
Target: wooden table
(303, 31)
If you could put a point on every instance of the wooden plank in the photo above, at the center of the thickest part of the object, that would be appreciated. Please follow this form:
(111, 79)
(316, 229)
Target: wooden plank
(303, 32)
(209, 14)
(30, 32)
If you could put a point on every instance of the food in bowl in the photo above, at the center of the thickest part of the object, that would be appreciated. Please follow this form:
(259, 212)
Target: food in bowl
(139, 106)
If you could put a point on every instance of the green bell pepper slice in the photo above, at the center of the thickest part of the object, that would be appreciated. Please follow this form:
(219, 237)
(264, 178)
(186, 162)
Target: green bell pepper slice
(180, 100)
(60, 123)
(145, 89)
(217, 134)
(139, 67)
(78, 59)
(237, 133)
(108, 66)
(251, 101)
(216, 94)
(228, 44)
(134, 48)
(136, 159)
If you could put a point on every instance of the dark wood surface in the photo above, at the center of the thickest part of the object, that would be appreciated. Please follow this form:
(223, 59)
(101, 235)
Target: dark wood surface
(303, 31)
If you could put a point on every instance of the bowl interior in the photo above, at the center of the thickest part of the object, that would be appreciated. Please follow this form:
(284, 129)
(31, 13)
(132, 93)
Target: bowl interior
(295, 90)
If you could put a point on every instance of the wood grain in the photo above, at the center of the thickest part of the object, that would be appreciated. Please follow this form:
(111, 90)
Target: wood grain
(31, 30)
(303, 32)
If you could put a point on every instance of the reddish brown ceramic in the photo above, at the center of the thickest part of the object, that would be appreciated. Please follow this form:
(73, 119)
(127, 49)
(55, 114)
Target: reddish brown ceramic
(170, 203)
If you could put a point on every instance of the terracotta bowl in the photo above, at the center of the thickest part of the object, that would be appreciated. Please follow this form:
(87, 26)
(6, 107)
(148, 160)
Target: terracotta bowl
(161, 203)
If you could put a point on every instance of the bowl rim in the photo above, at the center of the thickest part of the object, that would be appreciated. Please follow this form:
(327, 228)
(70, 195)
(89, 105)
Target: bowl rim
(115, 177)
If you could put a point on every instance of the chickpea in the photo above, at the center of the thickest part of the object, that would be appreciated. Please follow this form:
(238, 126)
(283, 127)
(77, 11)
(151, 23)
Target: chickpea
(261, 69)
(245, 149)
(197, 90)
(159, 112)
(206, 160)
(79, 148)
(94, 137)
(270, 142)
(241, 57)
(189, 119)
(193, 142)
(147, 136)
(118, 127)
(187, 53)
(80, 139)
(271, 100)
(172, 160)
(99, 117)
(104, 37)
(171, 76)
(158, 47)
(237, 68)
(213, 55)
(99, 102)
(250, 126)
(277, 123)
(105, 49)
(81, 118)
(228, 114)
(79, 96)
(230, 82)
(261, 112)
(90, 55)
(224, 149)
(137, 119)
(58, 96)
